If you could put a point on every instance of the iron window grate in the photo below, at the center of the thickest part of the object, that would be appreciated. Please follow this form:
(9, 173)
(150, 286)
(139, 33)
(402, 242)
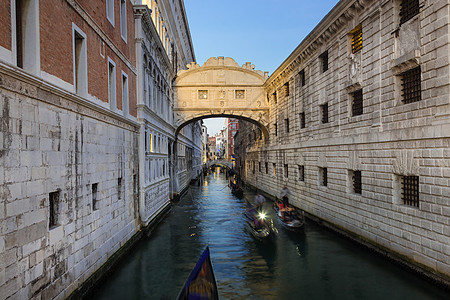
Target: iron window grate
(302, 78)
(357, 39)
(411, 85)
(408, 9)
(286, 89)
(410, 190)
(324, 60)
(286, 124)
(357, 183)
(301, 173)
(357, 105)
(324, 178)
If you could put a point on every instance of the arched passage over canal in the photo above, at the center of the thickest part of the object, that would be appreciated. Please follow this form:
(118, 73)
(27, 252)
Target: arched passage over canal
(315, 264)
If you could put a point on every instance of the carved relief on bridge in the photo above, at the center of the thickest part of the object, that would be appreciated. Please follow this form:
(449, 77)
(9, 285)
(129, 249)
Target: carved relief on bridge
(220, 87)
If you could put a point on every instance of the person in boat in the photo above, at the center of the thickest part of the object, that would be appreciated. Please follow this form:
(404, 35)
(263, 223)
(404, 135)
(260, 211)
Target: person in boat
(284, 195)
(259, 201)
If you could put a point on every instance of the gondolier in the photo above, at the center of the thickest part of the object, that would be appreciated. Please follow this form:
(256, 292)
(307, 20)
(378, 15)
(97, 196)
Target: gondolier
(284, 195)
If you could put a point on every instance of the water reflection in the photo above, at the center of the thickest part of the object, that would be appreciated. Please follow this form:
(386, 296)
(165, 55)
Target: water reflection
(314, 264)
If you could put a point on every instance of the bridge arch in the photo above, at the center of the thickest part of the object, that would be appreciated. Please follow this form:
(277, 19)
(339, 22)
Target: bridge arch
(221, 88)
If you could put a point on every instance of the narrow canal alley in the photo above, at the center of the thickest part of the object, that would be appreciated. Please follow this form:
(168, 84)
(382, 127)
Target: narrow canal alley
(313, 264)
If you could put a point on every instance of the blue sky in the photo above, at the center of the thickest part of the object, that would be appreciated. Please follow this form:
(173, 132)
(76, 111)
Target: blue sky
(263, 32)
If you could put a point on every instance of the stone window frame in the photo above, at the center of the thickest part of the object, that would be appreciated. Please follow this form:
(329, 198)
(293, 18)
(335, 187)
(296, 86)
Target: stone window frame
(302, 78)
(354, 182)
(286, 171)
(356, 39)
(286, 89)
(202, 94)
(399, 191)
(80, 68)
(301, 172)
(274, 165)
(324, 62)
(110, 11)
(112, 86)
(94, 196)
(54, 199)
(266, 165)
(357, 103)
(302, 120)
(119, 188)
(324, 113)
(323, 177)
(125, 95)
(240, 97)
(123, 20)
(286, 125)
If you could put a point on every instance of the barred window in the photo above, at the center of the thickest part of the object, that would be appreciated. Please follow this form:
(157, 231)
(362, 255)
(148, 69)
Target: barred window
(301, 173)
(286, 125)
(267, 167)
(410, 190)
(302, 78)
(302, 120)
(411, 85)
(357, 42)
(53, 209)
(357, 105)
(324, 61)
(286, 171)
(357, 183)
(324, 112)
(202, 94)
(408, 9)
(239, 94)
(286, 89)
(275, 127)
(94, 190)
(323, 176)
(253, 167)
(259, 167)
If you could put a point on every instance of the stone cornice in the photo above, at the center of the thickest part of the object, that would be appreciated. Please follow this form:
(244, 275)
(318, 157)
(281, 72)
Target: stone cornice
(320, 35)
(88, 19)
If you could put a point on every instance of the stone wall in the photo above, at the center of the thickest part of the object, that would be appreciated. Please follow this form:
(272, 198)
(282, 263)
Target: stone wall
(390, 140)
(55, 146)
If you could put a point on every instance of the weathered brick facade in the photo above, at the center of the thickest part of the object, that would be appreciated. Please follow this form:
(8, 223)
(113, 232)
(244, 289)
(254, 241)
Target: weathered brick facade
(389, 141)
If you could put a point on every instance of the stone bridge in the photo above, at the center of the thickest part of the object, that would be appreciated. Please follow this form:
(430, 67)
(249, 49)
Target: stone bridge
(221, 88)
(221, 162)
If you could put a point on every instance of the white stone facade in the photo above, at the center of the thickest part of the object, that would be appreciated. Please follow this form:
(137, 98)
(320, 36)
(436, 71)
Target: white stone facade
(389, 141)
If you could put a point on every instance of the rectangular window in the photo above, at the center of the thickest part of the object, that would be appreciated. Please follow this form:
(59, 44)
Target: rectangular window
(302, 78)
(301, 173)
(259, 167)
(94, 191)
(357, 183)
(253, 167)
(275, 127)
(411, 85)
(239, 94)
(202, 94)
(324, 113)
(408, 9)
(302, 120)
(286, 125)
(54, 200)
(274, 97)
(123, 19)
(357, 104)
(324, 61)
(274, 169)
(119, 188)
(286, 171)
(267, 167)
(27, 35)
(125, 95)
(110, 11)
(286, 89)
(323, 176)
(410, 190)
(79, 62)
(357, 39)
(112, 85)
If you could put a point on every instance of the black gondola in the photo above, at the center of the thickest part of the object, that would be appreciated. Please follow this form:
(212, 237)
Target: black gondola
(289, 217)
(201, 283)
(259, 225)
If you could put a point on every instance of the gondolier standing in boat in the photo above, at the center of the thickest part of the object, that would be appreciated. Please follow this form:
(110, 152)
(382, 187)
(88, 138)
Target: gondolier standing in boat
(259, 201)
(284, 195)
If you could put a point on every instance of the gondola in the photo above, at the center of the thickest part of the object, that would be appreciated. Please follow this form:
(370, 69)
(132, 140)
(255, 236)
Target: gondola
(290, 218)
(237, 191)
(201, 283)
(259, 225)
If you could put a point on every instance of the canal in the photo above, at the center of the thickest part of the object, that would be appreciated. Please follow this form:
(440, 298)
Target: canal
(314, 264)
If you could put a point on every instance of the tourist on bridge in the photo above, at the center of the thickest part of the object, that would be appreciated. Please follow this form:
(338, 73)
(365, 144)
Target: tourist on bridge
(284, 195)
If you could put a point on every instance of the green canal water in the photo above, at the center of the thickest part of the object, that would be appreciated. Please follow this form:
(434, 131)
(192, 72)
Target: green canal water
(314, 264)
